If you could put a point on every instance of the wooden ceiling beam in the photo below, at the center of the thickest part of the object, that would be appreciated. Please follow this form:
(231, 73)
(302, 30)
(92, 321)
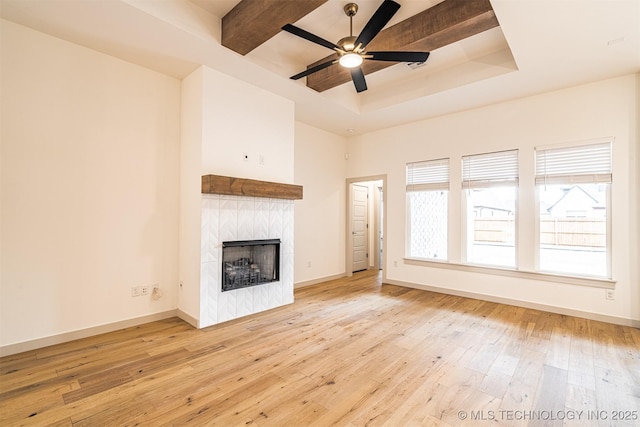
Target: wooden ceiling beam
(252, 22)
(438, 26)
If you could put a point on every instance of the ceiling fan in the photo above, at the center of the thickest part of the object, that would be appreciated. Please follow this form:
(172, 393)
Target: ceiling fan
(352, 50)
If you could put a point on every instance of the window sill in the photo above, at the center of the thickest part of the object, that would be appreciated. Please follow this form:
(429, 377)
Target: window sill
(549, 277)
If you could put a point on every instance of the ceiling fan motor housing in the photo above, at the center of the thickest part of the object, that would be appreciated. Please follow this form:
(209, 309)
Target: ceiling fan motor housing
(347, 43)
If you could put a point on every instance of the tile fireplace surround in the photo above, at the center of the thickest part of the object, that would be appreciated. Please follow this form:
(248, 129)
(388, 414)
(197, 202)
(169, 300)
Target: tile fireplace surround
(228, 218)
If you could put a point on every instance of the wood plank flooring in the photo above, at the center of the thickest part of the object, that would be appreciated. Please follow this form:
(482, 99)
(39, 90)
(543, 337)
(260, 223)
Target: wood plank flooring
(349, 352)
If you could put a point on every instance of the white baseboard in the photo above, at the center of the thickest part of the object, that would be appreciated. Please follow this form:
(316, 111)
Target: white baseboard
(525, 304)
(10, 349)
(188, 318)
(318, 280)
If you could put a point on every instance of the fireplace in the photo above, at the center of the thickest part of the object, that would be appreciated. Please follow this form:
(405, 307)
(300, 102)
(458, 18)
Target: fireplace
(236, 212)
(248, 263)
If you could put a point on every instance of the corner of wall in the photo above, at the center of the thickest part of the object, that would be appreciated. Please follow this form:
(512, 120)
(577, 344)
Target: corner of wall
(634, 156)
(190, 203)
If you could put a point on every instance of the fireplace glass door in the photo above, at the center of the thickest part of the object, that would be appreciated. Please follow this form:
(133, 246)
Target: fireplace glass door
(249, 263)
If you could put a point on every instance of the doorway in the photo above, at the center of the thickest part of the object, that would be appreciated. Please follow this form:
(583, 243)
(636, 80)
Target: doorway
(366, 225)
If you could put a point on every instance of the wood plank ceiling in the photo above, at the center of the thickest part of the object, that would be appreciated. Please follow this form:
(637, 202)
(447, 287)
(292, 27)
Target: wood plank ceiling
(252, 22)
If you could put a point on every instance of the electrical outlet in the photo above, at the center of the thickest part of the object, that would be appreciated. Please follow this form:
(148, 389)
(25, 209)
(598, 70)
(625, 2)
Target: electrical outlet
(135, 291)
(309, 264)
(144, 290)
(610, 294)
(395, 263)
(261, 159)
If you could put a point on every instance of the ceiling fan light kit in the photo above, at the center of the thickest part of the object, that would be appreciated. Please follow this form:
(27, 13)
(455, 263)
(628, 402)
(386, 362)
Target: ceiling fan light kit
(350, 60)
(352, 50)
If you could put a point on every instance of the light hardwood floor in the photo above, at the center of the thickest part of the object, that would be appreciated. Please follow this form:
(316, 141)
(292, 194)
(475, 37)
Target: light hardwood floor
(348, 352)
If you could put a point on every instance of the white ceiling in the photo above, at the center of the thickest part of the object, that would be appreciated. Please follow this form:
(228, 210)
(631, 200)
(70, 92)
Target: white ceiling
(541, 45)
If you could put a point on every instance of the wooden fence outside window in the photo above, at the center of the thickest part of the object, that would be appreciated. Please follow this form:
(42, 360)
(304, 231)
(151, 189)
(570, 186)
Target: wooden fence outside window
(576, 232)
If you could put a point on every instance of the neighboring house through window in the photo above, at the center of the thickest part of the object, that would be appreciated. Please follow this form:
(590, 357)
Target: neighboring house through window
(573, 185)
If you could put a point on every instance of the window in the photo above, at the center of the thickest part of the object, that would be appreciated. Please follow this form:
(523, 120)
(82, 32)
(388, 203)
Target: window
(490, 185)
(574, 222)
(427, 209)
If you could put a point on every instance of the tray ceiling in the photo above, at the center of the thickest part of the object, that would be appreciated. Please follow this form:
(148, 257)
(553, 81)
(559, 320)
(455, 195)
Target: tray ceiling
(539, 46)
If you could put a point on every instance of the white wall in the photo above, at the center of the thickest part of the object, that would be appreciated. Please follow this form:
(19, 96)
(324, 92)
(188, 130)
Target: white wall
(89, 187)
(606, 108)
(222, 119)
(634, 200)
(240, 118)
(191, 129)
(320, 167)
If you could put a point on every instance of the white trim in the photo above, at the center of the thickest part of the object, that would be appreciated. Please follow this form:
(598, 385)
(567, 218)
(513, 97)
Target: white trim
(187, 318)
(536, 228)
(634, 323)
(472, 185)
(609, 256)
(441, 186)
(37, 343)
(521, 274)
(318, 280)
(464, 227)
(603, 178)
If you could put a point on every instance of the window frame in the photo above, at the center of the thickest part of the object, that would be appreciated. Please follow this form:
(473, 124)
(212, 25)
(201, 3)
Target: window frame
(427, 182)
(598, 178)
(530, 272)
(503, 180)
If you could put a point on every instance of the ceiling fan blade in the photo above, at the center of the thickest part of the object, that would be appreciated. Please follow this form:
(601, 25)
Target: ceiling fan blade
(377, 22)
(313, 70)
(358, 79)
(308, 36)
(399, 56)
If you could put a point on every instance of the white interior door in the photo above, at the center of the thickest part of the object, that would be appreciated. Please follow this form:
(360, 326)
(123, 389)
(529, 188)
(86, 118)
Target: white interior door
(359, 226)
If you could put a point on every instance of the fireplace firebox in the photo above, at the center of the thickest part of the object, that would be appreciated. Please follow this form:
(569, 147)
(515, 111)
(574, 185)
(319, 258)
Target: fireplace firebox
(249, 263)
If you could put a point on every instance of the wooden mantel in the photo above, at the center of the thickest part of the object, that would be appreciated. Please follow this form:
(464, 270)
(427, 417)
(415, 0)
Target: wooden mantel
(229, 186)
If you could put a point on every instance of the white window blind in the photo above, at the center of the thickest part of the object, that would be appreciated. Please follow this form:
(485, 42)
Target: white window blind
(490, 169)
(574, 164)
(428, 175)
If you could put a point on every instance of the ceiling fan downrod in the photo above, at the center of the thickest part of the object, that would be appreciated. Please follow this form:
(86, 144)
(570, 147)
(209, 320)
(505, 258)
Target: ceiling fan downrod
(348, 43)
(350, 9)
